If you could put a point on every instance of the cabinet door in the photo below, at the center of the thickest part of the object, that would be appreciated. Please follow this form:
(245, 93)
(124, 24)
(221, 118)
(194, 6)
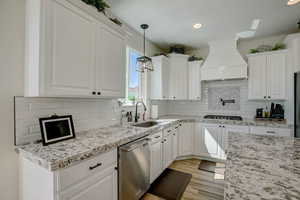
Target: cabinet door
(257, 77)
(167, 151)
(160, 78)
(175, 142)
(186, 134)
(102, 186)
(178, 77)
(211, 140)
(194, 81)
(70, 51)
(110, 63)
(156, 167)
(276, 76)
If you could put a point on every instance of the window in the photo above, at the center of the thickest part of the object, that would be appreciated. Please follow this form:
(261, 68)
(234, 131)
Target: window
(134, 89)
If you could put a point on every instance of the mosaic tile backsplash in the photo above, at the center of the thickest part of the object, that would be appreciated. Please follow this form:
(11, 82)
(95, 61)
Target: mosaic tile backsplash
(224, 98)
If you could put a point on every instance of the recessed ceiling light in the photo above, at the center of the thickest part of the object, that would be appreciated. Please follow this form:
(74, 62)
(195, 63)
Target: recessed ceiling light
(293, 2)
(197, 26)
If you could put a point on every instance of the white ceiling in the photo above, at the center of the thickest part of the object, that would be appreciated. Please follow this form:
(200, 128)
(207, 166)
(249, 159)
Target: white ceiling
(171, 20)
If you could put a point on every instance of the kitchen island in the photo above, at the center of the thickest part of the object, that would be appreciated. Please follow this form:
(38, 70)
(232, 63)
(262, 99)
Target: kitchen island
(262, 167)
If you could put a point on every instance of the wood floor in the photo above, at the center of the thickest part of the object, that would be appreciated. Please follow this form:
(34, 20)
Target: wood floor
(203, 185)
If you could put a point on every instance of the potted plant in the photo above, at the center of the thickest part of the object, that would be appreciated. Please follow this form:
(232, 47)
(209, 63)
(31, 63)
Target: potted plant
(101, 5)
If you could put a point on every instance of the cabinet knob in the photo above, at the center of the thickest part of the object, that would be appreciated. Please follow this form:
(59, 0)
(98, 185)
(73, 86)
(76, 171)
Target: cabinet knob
(269, 97)
(265, 97)
(94, 93)
(99, 93)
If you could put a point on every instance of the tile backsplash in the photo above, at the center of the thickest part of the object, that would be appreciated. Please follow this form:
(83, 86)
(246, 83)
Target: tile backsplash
(87, 114)
(216, 96)
(209, 104)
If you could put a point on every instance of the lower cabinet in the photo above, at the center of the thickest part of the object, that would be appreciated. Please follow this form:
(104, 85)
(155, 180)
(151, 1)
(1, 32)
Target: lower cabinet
(283, 132)
(93, 179)
(175, 140)
(103, 184)
(167, 150)
(186, 137)
(211, 140)
(156, 152)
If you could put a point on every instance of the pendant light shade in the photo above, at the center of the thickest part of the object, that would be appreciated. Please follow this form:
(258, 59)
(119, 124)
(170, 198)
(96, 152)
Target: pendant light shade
(144, 62)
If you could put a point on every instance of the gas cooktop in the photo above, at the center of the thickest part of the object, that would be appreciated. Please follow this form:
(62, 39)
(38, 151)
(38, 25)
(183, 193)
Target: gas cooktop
(223, 117)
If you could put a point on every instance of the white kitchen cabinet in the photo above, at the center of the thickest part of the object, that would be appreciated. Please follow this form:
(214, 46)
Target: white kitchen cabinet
(90, 179)
(283, 132)
(156, 152)
(67, 55)
(276, 76)
(211, 140)
(175, 143)
(103, 184)
(186, 138)
(267, 75)
(167, 150)
(194, 70)
(160, 78)
(110, 62)
(178, 86)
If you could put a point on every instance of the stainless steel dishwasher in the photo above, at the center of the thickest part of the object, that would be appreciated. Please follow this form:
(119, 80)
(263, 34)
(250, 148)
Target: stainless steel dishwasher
(134, 169)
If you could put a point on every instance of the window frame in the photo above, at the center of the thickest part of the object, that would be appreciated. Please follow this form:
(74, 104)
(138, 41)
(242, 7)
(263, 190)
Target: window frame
(141, 79)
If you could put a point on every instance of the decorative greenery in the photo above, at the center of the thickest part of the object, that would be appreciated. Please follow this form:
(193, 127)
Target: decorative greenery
(277, 46)
(101, 5)
(194, 58)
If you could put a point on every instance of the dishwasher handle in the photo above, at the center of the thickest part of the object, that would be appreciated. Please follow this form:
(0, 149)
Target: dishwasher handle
(140, 144)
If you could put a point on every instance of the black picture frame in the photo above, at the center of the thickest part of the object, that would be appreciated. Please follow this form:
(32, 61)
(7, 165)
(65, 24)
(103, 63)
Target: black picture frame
(56, 129)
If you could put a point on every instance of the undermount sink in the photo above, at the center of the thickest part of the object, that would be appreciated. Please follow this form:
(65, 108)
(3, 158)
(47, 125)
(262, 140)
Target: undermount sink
(146, 124)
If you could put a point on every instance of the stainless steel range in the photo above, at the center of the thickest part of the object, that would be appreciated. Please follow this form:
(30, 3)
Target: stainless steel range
(223, 117)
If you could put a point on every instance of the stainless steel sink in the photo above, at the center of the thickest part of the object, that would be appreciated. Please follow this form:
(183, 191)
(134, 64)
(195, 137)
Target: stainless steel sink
(146, 124)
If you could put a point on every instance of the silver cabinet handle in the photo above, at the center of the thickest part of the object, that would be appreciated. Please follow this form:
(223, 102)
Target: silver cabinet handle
(157, 137)
(95, 166)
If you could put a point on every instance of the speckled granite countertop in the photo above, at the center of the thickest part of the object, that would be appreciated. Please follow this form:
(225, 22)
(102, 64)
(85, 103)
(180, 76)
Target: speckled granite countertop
(94, 142)
(86, 145)
(262, 168)
(245, 122)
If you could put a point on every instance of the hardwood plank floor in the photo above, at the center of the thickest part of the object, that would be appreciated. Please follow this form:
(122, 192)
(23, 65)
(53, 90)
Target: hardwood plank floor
(203, 185)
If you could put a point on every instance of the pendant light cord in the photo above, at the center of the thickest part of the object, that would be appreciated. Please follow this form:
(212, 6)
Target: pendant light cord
(144, 42)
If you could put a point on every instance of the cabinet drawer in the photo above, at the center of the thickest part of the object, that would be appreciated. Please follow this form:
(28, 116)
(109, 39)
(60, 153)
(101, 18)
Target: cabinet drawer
(271, 131)
(156, 137)
(77, 173)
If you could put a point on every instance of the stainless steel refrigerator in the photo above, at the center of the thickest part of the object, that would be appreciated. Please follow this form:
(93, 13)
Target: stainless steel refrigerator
(297, 104)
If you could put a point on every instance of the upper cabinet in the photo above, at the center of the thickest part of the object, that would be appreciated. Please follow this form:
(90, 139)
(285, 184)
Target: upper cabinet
(195, 80)
(160, 78)
(71, 53)
(178, 76)
(110, 62)
(267, 75)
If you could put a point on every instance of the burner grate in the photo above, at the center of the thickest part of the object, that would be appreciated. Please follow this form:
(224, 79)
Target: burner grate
(223, 117)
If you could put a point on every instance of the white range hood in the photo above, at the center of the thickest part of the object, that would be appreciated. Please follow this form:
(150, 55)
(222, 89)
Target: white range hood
(224, 62)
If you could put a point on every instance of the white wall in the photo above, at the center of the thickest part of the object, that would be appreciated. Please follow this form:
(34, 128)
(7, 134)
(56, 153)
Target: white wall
(12, 22)
(11, 84)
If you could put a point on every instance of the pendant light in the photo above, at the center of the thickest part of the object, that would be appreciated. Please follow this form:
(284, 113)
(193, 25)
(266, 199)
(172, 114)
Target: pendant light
(144, 62)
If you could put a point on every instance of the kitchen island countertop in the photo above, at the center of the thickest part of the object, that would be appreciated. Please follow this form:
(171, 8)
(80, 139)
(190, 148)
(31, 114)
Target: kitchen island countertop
(262, 167)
